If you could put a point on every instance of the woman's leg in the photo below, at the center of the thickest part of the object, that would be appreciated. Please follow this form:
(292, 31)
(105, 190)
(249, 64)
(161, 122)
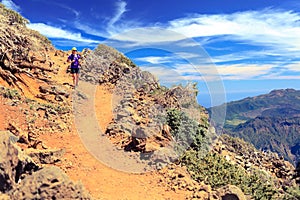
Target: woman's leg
(74, 79)
(77, 78)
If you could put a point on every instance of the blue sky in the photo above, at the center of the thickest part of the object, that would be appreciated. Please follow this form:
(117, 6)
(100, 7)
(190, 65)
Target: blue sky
(232, 48)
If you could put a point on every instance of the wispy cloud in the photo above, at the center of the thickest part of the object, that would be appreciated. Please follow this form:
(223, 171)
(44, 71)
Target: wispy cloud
(295, 67)
(114, 26)
(176, 58)
(242, 71)
(272, 34)
(233, 57)
(148, 35)
(156, 59)
(10, 4)
(210, 72)
(120, 10)
(274, 37)
(56, 32)
(265, 27)
(281, 77)
(67, 8)
(91, 30)
(183, 72)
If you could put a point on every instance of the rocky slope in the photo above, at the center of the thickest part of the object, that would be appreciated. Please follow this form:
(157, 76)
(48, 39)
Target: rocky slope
(136, 114)
(276, 134)
(142, 108)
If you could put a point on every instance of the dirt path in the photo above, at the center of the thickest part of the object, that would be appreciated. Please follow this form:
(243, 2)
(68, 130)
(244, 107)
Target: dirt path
(102, 181)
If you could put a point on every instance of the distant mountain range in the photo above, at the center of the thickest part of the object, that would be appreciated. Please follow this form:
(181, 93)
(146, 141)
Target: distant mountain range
(269, 122)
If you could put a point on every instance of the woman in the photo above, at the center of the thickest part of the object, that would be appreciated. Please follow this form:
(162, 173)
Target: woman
(75, 65)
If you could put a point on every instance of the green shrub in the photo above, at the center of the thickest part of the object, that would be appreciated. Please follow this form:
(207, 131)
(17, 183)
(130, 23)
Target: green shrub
(11, 94)
(216, 171)
(55, 108)
(124, 59)
(292, 193)
(187, 132)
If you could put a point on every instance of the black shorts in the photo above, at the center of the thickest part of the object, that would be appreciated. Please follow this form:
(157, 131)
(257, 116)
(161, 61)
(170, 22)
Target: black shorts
(74, 70)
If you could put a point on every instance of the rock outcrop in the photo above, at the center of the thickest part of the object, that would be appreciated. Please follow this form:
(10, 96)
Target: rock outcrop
(238, 152)
(48, 156)
(22, 51)
(231, 192)
(245, 155)
(22, 178)
(13, 162)
(48, 183)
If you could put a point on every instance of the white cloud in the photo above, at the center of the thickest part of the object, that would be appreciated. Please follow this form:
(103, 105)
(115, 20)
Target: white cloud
(243, 71)
(155, 59)
(177, 57)
(183, 72)
(11, 5)
(198, 70)
(275, 29)
(295, 67)
(230, 57)
(265, 27)
(277, 33)
(210, 72)
(115, 24)
(67, 8)
(148, 35)
(166, 75)
(88, 29)
(121, 9)
(112, 27)
(55, 32)
(280, 77)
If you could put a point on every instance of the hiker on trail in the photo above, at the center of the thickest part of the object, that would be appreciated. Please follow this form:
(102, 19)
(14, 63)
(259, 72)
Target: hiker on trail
(75, 65)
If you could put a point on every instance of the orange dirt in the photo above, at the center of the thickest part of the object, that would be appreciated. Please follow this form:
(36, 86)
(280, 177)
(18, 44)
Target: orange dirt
(9, 114)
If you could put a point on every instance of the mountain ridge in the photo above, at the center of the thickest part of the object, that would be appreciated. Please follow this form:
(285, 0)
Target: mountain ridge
(269, 121)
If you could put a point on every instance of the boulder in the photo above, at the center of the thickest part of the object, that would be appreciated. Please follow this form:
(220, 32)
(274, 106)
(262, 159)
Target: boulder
(19, 178)
(231, 192)
(48, 183)
(49, 156)
(13, 162)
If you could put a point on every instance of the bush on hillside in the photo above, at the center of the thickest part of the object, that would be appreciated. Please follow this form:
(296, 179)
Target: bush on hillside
(216, 171)
(10, 93)
(13, 16)
(292, 193)
(187, 132)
